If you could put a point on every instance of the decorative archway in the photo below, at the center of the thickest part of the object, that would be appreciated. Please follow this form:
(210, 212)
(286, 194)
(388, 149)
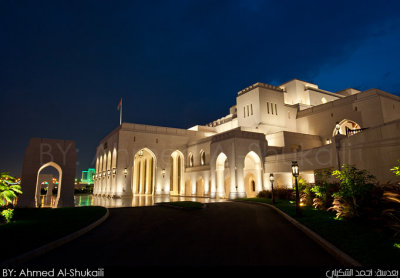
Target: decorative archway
(176, 173)
(50, 186)
(41, 153)
(252, 173)
(343, 127)
(144, 169)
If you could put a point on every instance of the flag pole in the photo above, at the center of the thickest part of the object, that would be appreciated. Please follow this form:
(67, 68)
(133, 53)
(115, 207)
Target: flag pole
(120, 114)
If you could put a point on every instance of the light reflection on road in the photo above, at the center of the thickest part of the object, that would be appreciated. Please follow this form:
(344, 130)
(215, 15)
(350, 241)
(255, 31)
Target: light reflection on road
(136, 201)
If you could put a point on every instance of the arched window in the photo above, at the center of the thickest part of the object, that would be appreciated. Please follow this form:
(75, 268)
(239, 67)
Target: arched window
(346, 127)
(190, 160)
(202, 158)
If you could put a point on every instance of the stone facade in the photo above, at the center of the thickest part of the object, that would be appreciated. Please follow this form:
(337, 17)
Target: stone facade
(267, 128)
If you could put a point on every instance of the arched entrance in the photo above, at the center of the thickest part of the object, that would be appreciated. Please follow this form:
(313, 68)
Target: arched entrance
(48, 180)
(252, 173)
(223, 177)
(41, 175)
(176, 173)
(144, 168)
(346, 127)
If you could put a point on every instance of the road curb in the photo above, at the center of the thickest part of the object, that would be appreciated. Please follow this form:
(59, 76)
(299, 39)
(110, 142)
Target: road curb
(329, 247)
(54, 244)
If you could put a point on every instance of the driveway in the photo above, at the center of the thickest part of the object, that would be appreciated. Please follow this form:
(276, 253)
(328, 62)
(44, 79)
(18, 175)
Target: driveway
(227, 233)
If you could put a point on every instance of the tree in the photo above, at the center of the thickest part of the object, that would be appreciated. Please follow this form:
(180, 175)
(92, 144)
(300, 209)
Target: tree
(9, 188)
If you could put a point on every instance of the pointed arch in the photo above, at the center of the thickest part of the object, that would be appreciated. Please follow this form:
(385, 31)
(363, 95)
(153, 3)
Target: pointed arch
(176, 173)
(59, 170)
(344, 125)
(252, 173)
(144, 169)
(190, 160)
(202, 158)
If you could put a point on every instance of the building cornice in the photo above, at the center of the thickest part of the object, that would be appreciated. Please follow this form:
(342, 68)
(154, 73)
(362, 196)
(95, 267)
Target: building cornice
(259, 85)
(237, 133)
(322, 91)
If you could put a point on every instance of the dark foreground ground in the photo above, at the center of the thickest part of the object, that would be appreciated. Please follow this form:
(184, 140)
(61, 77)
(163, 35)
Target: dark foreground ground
(221, 234)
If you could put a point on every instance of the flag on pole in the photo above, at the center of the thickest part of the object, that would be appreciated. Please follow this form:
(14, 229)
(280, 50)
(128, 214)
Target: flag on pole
(119, 108)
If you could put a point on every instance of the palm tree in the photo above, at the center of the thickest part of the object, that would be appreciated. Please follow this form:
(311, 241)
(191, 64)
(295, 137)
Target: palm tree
(9, 187)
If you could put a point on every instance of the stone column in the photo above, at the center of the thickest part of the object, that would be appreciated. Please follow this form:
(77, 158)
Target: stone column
(259, 180)
(220, 183)
(148, 177)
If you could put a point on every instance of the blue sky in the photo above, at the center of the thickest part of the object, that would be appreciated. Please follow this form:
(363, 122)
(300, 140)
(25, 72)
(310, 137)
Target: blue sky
(64, 65)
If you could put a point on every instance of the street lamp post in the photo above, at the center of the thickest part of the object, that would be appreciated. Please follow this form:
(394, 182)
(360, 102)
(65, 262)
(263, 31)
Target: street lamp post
(295, 173)
(271, 178)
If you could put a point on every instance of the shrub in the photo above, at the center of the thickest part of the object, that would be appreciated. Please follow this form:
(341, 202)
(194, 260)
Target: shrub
(279, 193)
(306, 195)
(323, 189)
(7, 215)
(391, 211)
(264, 194)
(396, 169)
(355, 186)
(284, 193)
(342, 208)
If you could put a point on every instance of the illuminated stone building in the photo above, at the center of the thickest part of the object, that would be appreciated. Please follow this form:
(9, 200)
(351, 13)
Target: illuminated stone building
(268, 128)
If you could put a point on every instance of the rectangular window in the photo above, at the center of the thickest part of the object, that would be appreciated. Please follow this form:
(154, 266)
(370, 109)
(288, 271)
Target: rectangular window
(276, 110)
(251, 106)
(268, 107)
(244, 111)
(248, 113)
(272, 109)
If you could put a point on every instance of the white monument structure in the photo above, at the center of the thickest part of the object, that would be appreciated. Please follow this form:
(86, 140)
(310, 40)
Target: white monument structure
(263, 133)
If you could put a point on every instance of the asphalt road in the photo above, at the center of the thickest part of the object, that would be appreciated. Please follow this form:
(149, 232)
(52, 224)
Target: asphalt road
(221, 234)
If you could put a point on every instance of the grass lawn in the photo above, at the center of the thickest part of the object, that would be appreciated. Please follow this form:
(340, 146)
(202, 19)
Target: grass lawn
(367, 243)
(34, 227)
(185, 204)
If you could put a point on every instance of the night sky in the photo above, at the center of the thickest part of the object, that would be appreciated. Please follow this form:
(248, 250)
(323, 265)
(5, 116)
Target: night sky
(64, 65)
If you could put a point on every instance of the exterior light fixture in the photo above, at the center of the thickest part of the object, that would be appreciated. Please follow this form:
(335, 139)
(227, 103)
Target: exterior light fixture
(140, 153)
(163, 173)
(295, 173)
(125, 172)
(114, 171)
(108, 173)
(271, 179)
(104, 174)
(337, 127)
